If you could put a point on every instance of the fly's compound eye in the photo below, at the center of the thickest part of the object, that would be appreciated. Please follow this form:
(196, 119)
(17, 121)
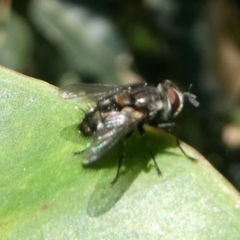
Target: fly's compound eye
(176, 100)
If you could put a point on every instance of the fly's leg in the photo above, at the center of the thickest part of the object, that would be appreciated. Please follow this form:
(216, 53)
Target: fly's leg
(173, 129)
(78, 152)
(142, 132)
(121, 158)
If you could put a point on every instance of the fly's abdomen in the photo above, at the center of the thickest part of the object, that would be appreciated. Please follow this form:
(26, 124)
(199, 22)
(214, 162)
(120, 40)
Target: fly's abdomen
(84, 128)
(89, 123)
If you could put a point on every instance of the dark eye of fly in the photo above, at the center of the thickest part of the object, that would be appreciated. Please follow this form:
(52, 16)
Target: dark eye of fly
(120, 109)
(175, 100)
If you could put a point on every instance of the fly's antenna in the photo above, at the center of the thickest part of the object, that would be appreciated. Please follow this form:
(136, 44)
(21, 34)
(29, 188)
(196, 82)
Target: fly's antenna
(190, 87)
(191, 97)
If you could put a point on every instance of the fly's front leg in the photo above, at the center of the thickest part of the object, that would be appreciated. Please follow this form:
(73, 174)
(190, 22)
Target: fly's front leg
(142, 132)
(171, 126)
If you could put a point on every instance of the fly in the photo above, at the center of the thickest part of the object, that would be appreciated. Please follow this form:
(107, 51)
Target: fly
(118, 110)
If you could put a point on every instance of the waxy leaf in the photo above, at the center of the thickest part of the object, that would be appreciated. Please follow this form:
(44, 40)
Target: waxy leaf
(45, 192)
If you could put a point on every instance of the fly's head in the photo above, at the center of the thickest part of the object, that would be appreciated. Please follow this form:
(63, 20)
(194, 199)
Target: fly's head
(175, 98)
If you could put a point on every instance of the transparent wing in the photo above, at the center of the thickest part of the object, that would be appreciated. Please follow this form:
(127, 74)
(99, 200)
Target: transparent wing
(115, 127)
(94, 91)
(86, 90)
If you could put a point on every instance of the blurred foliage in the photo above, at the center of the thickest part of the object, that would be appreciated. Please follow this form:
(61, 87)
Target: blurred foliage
(191, 42)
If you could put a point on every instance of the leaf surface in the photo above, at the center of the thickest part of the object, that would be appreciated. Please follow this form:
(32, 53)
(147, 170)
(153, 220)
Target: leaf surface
(45, 192)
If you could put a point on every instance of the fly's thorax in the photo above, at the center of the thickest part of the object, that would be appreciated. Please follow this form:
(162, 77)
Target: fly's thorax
(106, 105)
(145, 99)
(124, 99)
(153, 102)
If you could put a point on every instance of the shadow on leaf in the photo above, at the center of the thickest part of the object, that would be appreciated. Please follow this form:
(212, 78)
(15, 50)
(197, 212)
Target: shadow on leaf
(105, 195)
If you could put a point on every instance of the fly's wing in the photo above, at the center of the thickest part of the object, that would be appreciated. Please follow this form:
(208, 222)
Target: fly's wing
(86, 90)
(94, 91)
(115, 127)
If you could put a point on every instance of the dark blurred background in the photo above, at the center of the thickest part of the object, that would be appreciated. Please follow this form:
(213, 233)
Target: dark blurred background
(118, 41)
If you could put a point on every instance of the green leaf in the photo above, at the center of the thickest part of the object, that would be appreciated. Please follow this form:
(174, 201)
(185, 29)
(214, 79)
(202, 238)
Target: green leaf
(45, 193)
